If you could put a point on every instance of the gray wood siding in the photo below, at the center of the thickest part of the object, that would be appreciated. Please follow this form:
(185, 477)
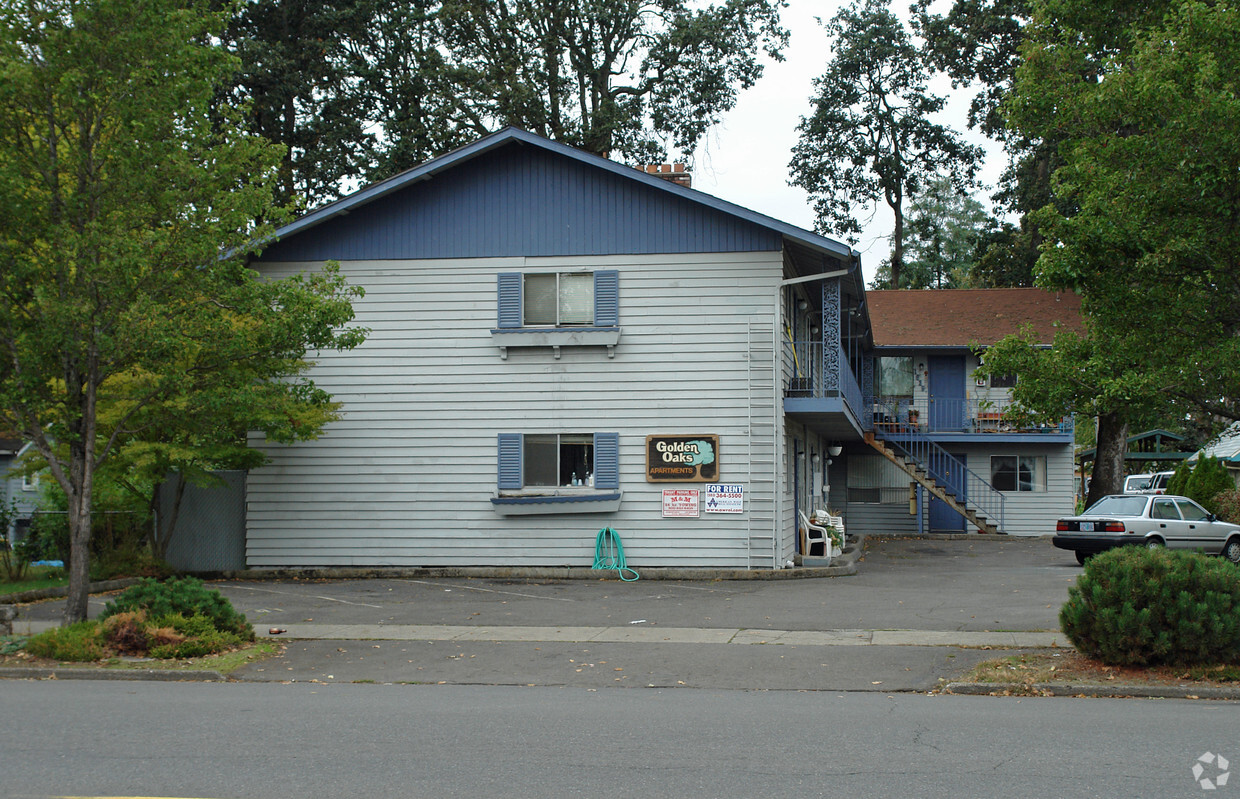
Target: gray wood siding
(524, 201)
(1033, 512)
(406, 476)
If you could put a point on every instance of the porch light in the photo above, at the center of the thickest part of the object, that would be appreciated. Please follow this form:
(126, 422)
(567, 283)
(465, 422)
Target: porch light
(834, 450)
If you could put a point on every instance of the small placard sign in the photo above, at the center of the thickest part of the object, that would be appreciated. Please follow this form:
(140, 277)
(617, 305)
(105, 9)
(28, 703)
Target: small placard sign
(725, 498)
(681, 502)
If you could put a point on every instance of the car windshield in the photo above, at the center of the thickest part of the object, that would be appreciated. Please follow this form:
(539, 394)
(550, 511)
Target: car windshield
(1137, 483)
(1118, 506)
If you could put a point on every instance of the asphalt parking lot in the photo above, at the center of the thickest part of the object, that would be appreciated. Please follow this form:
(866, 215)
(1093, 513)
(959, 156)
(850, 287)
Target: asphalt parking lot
(855, 633)
(914, 584)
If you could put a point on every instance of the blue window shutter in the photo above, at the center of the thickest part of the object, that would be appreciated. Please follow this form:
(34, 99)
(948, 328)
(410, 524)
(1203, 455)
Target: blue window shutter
(509, 461)
(607, 460)
(508, 296)
(607, 298)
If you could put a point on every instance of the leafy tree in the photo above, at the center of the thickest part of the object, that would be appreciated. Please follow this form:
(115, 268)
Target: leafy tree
(1152, 169)
(1076, 376)
(976, 42)
(870, 137)
(376, 86)
(608, 76)
(945, 230)
(127, 211)
(299, 77)
(1141, 99)
(408, 79)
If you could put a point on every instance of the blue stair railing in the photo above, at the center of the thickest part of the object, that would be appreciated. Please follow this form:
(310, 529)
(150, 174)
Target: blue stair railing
(949, 472)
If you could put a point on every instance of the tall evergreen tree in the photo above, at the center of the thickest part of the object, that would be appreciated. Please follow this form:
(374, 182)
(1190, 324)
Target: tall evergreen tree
(870, 137)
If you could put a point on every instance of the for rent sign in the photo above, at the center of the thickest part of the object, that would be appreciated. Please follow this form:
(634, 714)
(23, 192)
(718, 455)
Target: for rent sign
(682, 459)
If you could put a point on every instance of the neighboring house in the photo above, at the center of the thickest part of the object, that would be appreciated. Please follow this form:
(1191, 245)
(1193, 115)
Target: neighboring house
(22, 492)
(929, 403)
(560, 343)
(1226, 448)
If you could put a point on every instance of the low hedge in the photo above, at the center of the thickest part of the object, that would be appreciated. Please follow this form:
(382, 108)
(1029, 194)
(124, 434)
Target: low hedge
(1134, 606)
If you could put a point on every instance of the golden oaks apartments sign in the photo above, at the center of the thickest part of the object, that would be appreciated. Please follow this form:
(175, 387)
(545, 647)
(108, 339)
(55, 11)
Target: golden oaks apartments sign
(682, 459)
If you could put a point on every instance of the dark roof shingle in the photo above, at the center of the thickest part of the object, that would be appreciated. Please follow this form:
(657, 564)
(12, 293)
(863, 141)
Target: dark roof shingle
(964, 317)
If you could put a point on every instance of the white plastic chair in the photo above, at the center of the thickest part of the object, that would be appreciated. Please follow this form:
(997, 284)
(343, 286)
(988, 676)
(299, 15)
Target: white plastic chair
(824, 519)
(814, 536)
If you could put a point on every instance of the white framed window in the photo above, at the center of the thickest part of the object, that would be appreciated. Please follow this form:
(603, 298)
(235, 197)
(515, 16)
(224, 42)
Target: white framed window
(1019, 473)
(550, 300)
(557, 473)
(30, 482)
(557, 309)
(895, 376)
(560, 299)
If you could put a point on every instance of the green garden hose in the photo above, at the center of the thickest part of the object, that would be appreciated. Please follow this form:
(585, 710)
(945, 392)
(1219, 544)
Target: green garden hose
(609, 554)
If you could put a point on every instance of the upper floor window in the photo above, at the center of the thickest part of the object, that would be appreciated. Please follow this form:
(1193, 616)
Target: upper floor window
(895, 376)
(558, 299)
(1002, 381)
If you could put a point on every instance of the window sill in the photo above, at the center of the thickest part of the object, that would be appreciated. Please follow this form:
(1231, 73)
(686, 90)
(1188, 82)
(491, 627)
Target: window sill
(557, 337)
(521, 503)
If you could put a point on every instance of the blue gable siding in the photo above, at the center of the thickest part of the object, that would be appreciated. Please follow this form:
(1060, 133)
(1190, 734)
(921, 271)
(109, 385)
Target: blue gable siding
(521, 200)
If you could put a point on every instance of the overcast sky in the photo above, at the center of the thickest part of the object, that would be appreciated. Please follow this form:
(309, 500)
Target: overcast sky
(745, 160)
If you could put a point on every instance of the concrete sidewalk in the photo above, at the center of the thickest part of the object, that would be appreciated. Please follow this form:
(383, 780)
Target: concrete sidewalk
(641, 634)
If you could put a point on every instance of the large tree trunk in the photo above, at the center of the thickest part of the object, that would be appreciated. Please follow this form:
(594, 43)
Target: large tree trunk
(1108, 476)
(79, 536)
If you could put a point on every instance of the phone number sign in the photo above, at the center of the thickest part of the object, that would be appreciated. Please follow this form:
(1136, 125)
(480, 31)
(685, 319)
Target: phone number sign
(725, 498)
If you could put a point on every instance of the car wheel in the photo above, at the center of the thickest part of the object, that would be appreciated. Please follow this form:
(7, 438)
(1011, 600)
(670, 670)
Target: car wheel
(1231, 551)
(1081, 557)
(1154, 543)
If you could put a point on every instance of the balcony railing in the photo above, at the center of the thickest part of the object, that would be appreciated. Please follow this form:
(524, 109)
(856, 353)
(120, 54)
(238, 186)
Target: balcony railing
(813, 375)
(901, 414)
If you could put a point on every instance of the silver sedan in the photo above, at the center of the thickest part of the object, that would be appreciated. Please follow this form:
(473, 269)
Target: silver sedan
(1152, 520)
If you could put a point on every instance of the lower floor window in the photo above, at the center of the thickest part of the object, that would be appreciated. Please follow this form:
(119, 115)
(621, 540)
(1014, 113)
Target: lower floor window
(564, 459)
(542, 462)
(874, 479)
(1018, 472)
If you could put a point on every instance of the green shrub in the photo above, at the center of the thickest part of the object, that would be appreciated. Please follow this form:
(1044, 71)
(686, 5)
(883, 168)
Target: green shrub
(1134, 606)
(79, 642)
(1178, 482)
(1227, 505)
(1208, 480)
(186, 596)
(199, 637)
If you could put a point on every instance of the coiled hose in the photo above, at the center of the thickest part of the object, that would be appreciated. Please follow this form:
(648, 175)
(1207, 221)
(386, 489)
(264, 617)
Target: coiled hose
(609, 554)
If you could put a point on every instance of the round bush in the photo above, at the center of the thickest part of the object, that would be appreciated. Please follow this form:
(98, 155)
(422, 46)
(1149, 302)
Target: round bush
(186, 596)
(1134, 606)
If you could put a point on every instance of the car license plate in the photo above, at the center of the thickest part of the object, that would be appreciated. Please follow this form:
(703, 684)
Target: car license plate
(1087, 527)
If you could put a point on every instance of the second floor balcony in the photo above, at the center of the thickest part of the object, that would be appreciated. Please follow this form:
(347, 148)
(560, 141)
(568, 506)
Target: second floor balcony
(820, 379)
(936, 416)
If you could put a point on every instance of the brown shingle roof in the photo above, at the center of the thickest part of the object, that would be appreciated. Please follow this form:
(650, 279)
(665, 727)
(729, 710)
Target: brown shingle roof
(961, 317)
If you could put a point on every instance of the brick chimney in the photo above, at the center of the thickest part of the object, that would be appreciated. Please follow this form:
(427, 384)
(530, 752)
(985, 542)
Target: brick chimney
(676, 173)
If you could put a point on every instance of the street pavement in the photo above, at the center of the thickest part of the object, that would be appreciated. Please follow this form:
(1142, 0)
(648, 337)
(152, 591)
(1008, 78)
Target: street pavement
(917, 612)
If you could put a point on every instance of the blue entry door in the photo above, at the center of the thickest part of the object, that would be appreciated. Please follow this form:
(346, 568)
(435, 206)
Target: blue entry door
(946, 390)
(950, 476)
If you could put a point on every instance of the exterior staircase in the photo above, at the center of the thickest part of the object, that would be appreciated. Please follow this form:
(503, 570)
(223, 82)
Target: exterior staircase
(945, 477)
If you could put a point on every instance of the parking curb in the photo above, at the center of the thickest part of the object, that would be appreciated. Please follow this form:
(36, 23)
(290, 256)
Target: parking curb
(1093, 690)
(117, 675)
(843, 566)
